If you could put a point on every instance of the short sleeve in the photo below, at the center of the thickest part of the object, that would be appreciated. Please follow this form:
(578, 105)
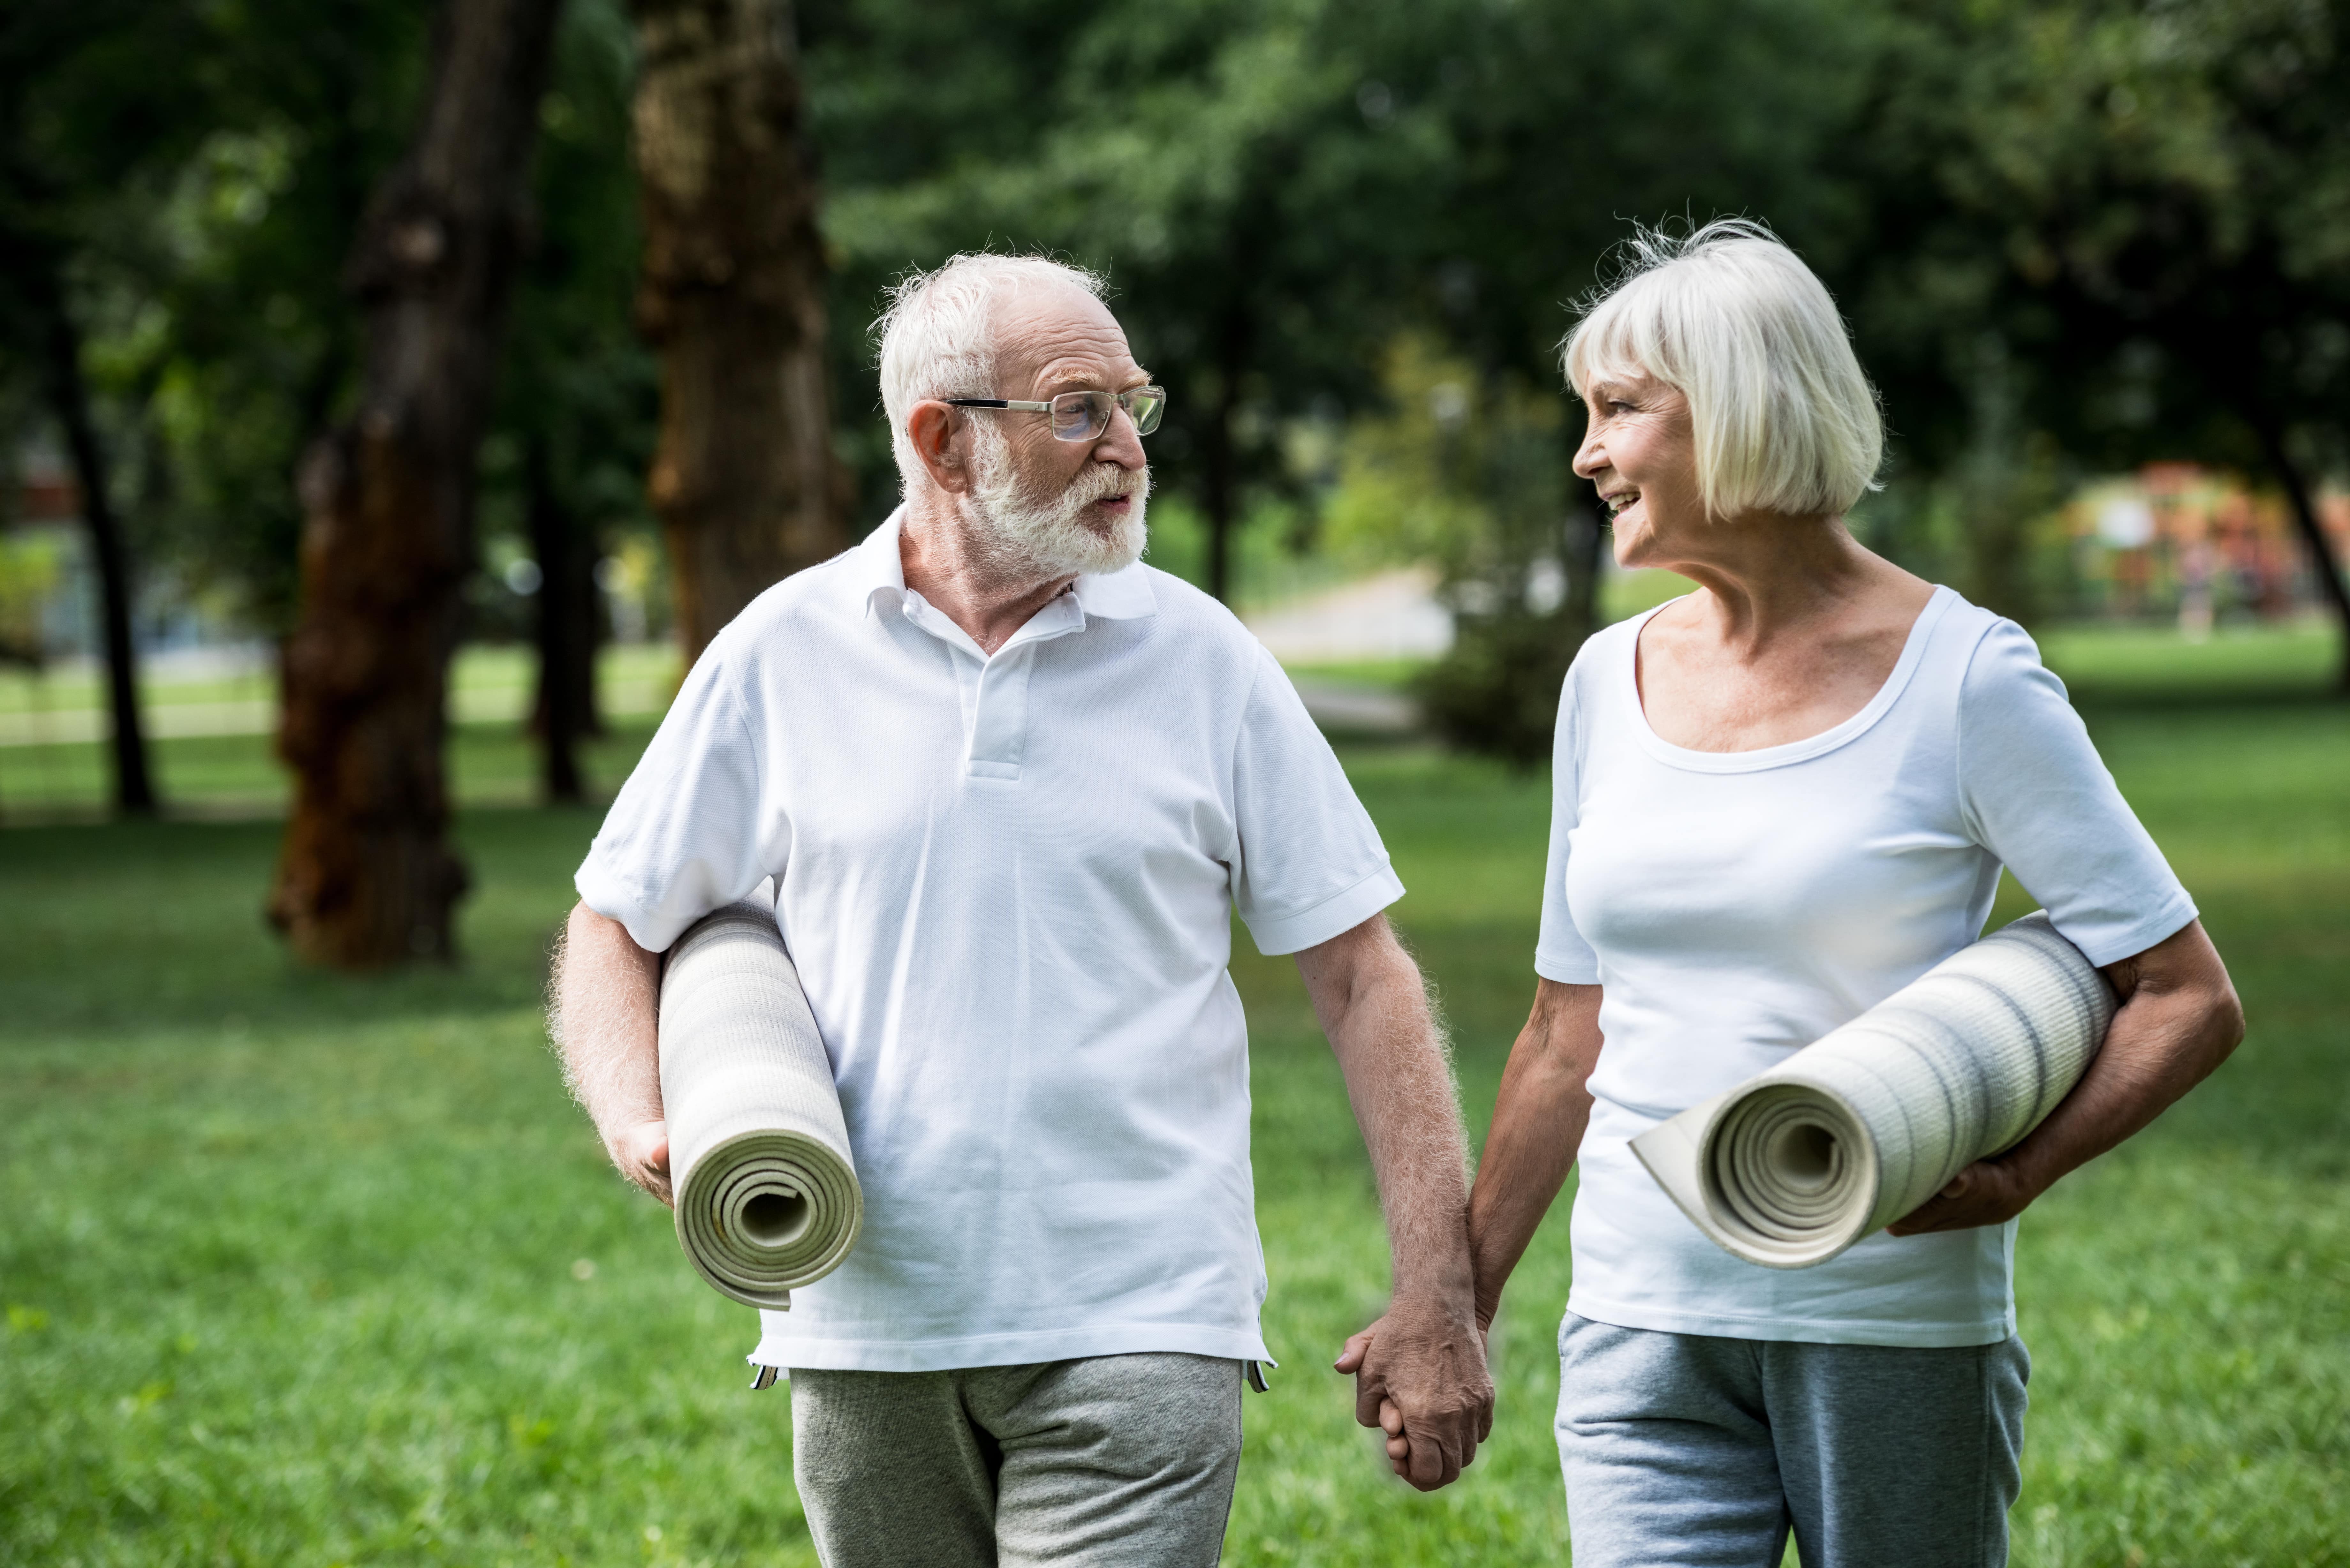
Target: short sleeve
(2036, 793)
(1560, 952)
(1308, 865)
(684, 837)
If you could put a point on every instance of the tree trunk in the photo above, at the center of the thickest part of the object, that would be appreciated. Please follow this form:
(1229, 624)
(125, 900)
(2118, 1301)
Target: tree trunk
(1586, 544)
(134, 789)
(743, 479)
(367, 877)
(2301, 504)
(564, 711)
(1220, 453)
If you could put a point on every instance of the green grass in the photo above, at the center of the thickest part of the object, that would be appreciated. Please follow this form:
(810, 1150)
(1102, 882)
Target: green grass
(304, 1269)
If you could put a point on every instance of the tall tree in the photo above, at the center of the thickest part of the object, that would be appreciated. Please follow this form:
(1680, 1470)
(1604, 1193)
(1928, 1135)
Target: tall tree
(367, 877)
(732, 296)
(578, 398)
(76, 123)
(134, 786)
(563, 712)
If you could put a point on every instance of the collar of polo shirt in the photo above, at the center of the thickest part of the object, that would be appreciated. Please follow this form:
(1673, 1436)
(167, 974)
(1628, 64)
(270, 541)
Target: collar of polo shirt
(1122, 595)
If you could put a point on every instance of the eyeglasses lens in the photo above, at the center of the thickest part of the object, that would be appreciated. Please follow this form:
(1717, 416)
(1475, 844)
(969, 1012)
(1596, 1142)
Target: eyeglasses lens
(1084, 416)
(1081, 416)
(1145, 404)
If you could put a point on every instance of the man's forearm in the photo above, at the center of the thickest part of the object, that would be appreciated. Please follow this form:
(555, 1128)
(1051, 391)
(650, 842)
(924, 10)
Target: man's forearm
(1384, 1034)
(1539, 1119)
(605, 996)
(1420, 1372)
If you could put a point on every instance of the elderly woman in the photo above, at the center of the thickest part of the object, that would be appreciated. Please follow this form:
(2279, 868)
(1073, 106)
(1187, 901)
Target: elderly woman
(1778, 800)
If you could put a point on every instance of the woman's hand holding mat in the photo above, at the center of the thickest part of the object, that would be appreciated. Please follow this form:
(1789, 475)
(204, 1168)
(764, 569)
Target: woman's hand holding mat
(764, 1188)
(1862, 1127)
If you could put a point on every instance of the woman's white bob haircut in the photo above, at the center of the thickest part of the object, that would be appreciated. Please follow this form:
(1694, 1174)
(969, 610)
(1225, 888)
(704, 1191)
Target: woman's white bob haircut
(937, 336)
(1732, 319)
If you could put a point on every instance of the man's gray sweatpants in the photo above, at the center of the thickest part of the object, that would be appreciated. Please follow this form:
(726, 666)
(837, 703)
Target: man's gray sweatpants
(1686, 1450)
(1110, 1459)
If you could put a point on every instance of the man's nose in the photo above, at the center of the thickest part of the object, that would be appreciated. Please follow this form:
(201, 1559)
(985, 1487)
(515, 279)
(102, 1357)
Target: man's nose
(1121, 444)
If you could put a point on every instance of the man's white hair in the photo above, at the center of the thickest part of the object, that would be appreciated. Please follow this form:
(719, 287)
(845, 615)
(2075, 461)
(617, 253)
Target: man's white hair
(1784, 418)
(938, 338)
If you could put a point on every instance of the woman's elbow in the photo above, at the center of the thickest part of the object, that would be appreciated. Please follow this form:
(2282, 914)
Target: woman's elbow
(2223, 1021)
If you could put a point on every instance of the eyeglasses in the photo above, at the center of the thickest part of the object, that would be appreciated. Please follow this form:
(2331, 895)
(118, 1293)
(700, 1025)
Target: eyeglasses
(1083, 416)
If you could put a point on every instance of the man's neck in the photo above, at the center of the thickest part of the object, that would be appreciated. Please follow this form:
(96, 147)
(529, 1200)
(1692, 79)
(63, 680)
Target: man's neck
(947, 565)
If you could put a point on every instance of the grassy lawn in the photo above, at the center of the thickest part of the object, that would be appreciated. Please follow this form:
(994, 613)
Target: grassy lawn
(302, 1268)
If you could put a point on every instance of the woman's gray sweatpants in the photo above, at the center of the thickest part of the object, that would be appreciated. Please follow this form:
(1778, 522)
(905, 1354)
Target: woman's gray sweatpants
(1685, 1450)
(1110, 1459)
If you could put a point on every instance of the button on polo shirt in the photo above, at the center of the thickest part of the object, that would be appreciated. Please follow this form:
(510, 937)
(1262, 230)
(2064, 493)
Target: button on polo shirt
(1008, 882)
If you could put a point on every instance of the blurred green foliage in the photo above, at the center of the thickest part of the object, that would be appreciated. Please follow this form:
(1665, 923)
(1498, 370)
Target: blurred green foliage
(1469, 472)
(2070, 235)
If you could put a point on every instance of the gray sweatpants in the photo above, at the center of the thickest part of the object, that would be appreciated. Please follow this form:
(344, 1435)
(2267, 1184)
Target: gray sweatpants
(1685, 1450)
(1110, 1459)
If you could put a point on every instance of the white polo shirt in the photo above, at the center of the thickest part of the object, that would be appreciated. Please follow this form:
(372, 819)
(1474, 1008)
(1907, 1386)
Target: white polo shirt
(1008, 883)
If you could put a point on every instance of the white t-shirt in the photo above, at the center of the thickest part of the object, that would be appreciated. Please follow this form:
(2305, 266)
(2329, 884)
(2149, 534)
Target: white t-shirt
(1008, 883)
(1737, 906)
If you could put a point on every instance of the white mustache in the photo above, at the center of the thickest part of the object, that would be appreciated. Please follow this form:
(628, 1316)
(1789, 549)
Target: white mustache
(1106, 480)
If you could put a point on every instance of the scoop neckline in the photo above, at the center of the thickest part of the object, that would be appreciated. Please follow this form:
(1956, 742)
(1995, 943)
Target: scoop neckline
(1913, 650)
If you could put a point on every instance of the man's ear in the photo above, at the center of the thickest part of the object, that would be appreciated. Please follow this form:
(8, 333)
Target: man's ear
(931, 427)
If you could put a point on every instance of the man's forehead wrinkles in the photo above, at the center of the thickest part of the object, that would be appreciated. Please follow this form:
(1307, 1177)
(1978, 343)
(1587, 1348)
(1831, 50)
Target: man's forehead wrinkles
(1080, 377)
(1078, 372)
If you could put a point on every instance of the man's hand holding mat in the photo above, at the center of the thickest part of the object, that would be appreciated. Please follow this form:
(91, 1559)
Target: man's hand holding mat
(724, 1109)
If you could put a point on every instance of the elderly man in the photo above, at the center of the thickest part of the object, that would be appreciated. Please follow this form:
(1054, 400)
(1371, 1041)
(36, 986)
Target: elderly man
(1009, 784)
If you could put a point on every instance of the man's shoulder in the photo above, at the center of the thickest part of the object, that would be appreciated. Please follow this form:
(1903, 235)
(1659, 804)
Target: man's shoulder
(1189, 613)
(811, 599)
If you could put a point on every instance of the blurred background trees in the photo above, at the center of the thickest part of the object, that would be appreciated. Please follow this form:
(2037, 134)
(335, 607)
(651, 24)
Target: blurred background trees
(2075, 237)
(732, 295)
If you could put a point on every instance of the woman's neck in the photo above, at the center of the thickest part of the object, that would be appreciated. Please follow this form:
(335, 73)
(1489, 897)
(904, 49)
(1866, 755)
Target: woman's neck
(1764, 576)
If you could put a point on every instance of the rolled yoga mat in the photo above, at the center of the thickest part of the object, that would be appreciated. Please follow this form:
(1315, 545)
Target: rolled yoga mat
(767, 1194)
(1855, 1130)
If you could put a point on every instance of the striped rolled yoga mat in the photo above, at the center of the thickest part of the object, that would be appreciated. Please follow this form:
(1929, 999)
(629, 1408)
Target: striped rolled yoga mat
(1855, 1130)
(767, 1194)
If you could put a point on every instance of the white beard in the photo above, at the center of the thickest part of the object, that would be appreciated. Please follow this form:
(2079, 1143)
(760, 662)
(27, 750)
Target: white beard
(1026, 538)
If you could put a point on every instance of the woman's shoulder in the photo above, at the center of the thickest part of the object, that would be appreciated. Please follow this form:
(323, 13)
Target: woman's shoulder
(1613, 643)
(1978, 643)
(1600, 662)
(1612, 640)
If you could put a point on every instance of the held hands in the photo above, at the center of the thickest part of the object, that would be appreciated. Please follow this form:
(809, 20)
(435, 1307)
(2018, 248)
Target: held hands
(640, 1153)
(1987, 1192)
(1420, 1377)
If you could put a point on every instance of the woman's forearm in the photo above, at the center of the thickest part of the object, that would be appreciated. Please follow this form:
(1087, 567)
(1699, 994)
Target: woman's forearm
(2179, 1019)
(1538, 1122)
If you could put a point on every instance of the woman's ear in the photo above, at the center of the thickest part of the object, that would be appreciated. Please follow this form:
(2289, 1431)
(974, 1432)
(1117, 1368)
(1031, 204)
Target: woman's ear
(931, 426)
